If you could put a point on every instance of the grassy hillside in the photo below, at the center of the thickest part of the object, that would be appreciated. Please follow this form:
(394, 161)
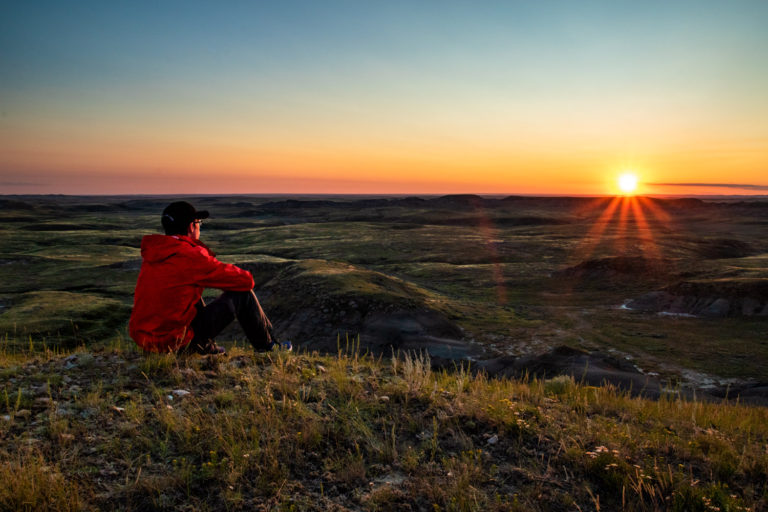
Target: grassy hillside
(87, 422)
(494, 277)
(116, 429)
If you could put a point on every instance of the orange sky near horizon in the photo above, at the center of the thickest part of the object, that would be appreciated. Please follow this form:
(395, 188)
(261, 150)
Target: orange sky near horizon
(165, 165)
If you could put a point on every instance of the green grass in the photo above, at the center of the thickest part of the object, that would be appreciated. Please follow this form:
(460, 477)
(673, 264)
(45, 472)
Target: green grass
(95, 428)
(62, 317)
(494, 280)
(311, 432)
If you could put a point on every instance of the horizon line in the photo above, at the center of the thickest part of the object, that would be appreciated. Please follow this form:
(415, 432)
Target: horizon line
(347, 194)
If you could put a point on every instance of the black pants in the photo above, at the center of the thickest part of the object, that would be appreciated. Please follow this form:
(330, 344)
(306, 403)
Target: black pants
(212, 318)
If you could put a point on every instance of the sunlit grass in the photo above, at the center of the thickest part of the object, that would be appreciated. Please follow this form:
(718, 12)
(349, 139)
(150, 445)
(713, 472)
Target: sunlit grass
(108, 427)
(310, 431)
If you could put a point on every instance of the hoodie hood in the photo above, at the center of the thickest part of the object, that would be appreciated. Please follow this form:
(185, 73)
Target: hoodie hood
(156, 248)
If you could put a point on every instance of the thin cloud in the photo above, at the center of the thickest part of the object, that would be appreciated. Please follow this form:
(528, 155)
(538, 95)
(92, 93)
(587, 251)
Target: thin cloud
(748, 186)
(19, 184)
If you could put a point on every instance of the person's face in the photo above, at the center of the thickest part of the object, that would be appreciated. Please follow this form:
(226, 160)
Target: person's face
(194, 229)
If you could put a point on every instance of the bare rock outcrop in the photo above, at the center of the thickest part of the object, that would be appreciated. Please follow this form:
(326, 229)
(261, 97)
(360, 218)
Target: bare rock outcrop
(593, 368)
(715, 298)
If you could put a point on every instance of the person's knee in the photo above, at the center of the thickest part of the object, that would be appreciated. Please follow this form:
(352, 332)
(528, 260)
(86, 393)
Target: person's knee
(239, 299)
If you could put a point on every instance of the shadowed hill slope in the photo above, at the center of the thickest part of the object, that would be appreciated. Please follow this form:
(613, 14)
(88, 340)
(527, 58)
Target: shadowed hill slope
(315, 301)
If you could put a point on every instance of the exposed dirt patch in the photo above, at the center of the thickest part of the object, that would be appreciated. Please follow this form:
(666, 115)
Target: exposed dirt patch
(599, 369)
(723, 248)
(606, 272)
(593, 368)
(716, 298)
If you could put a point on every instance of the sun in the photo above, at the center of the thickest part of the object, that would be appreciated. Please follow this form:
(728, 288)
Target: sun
(628, 183)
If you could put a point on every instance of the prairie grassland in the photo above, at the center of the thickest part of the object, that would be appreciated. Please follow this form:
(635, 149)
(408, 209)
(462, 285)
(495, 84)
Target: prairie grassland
(126, 431)
(87, 422)
(68, 267)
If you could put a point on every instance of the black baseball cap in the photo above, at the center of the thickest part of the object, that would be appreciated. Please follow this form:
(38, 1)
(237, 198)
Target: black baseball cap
(178, 215)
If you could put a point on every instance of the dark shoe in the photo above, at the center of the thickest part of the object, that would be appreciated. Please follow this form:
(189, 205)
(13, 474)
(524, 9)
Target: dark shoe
(287, 346)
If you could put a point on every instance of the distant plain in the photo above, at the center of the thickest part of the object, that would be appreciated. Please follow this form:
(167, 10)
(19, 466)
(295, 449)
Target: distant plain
(671, 290)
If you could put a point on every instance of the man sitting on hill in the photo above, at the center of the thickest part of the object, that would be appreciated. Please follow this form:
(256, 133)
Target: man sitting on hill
(168, 311)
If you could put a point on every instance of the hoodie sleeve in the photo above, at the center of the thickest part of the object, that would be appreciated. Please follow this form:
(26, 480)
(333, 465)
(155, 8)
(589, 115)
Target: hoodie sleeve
(212, 273)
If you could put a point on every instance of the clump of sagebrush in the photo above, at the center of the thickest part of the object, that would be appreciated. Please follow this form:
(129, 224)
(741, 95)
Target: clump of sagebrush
(88, 430)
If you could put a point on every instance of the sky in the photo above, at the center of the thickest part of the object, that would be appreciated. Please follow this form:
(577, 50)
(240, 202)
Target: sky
(389, 97)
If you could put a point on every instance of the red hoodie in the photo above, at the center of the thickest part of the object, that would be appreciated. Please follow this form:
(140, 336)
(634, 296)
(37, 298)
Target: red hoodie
(173, 275)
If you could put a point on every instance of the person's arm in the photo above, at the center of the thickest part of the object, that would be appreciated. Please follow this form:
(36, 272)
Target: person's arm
(215, 274)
